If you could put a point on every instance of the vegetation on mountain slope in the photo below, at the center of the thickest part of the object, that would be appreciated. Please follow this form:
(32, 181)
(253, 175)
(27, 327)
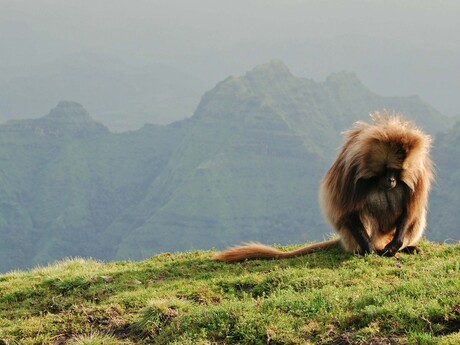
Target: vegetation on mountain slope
(446, 197)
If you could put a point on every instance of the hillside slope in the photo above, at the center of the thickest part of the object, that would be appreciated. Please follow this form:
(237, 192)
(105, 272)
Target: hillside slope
(185, 298)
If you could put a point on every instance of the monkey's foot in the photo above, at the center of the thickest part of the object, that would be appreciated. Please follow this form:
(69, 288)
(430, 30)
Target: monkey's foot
(412, 250)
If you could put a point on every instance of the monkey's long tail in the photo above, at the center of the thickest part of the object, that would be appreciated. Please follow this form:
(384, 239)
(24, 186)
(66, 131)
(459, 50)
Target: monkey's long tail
(260, 251)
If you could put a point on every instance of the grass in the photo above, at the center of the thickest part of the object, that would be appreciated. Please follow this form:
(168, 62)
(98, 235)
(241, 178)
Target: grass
(327, 298)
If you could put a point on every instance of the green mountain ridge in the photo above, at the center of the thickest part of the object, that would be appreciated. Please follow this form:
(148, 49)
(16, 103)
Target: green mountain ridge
(245, 166)
(312, 110)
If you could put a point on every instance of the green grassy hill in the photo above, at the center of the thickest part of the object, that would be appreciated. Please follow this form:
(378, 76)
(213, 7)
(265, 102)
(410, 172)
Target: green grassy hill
(186, 298)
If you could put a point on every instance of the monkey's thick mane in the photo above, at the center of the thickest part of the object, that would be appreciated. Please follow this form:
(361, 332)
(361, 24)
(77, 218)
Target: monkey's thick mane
(370, 147)
(377, 141)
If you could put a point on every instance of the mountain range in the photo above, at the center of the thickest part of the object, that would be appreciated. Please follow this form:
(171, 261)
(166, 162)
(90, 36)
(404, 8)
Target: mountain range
(122, 96)
(246, 166)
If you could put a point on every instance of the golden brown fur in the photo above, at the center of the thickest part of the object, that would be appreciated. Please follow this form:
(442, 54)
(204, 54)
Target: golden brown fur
(260, 251)
(375, 195)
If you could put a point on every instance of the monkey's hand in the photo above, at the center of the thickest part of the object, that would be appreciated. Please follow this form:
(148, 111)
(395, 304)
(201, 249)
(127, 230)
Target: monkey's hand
(390, 249)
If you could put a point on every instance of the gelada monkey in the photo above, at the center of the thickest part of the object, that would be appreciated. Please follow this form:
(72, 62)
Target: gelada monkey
(375, 194)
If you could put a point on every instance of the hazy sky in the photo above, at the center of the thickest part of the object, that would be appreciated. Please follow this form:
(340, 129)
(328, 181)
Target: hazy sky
(395, 47)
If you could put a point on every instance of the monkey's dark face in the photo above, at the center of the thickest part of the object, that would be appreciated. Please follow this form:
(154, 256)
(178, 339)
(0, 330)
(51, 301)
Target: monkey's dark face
(389, 179)
(382, 164)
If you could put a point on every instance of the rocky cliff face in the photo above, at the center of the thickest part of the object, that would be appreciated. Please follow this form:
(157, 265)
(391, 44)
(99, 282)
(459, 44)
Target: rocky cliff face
(315, 111)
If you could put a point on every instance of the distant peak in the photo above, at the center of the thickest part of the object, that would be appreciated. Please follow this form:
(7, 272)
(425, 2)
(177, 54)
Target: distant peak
(275, 65)
(69, 118)
(69, 109)
(341, 77)
(273, 68)
(345, 82)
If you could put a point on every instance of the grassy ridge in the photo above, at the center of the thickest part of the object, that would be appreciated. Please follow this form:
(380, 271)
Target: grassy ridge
(185, 298)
